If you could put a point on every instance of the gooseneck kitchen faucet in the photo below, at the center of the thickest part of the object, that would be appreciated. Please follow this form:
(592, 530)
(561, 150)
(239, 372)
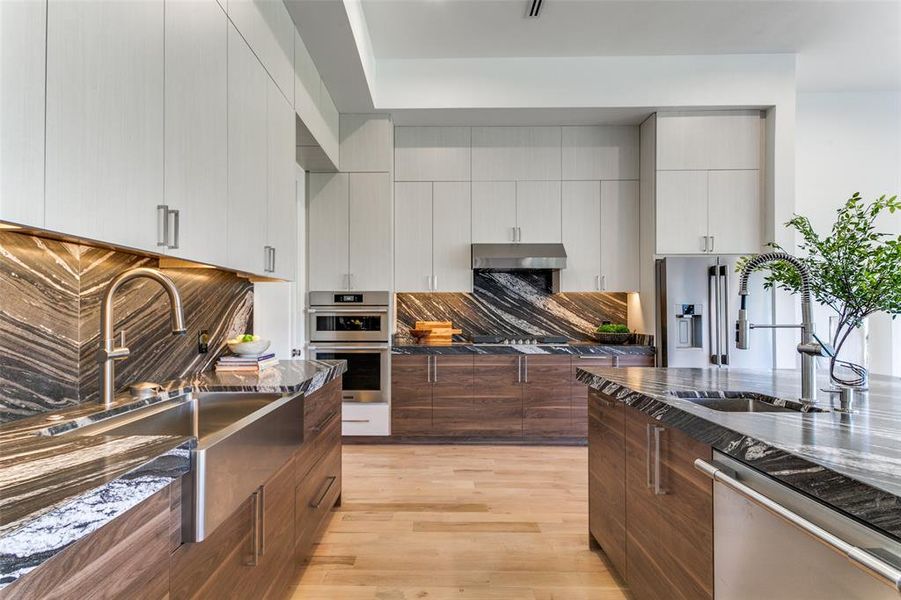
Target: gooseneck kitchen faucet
(810, 347)
(109, 352)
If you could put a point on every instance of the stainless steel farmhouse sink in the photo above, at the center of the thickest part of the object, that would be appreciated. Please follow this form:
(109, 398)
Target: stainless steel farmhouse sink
(242, 439)
(746, 402)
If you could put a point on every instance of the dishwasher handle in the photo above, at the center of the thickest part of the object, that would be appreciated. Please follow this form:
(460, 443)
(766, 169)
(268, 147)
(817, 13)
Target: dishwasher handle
(862, 558)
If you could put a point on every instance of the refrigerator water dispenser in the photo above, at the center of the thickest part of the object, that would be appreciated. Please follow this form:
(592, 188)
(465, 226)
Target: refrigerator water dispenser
(689, 325)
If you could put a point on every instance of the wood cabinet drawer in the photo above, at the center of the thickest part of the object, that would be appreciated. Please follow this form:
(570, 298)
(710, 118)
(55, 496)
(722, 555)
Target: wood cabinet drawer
(547, 396)
(314, 497)
(318, 444)
(321, 406)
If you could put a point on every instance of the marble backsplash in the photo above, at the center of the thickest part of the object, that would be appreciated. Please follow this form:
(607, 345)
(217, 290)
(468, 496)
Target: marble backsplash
(50, 294)
(512, 304)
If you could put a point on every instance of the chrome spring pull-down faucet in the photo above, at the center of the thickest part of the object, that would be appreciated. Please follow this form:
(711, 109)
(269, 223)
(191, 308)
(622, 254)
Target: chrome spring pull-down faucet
(109, 352)
(810, 347)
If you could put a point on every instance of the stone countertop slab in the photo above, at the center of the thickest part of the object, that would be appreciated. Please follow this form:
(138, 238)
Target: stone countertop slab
(851, 462)
(576, 349)
(56, 490)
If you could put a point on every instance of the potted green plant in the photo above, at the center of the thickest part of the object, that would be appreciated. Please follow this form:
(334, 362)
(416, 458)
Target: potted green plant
(855, 270)
(612, 333)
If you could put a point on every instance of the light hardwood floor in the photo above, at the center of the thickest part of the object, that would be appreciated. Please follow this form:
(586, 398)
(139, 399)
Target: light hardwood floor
(461, 522)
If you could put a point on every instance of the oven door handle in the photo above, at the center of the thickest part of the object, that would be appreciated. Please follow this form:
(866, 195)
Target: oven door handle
(344, 311)
(360, 347)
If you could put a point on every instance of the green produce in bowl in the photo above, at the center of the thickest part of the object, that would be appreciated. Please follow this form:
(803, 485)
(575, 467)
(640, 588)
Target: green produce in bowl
(612, 328)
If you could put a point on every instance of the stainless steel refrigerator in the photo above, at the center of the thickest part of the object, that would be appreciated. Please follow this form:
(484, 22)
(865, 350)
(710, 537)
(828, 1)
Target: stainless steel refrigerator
(697, 307)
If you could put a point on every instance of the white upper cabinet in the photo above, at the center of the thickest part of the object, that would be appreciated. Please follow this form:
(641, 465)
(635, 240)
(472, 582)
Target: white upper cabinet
(268, 29)
(23, 32)
(493, 212)
(432, 153)
(328, 231)
(581, 236)
(196, 134)
(451, 237)
(710, 140)
(413, 236)
(370, 255)
(104, 119)
(682, 212)
(366, 143)
(599, 152)
(619, 236)
(734, 212)
(281, 228)
(516, 153)
(538, 212)
(247, 157)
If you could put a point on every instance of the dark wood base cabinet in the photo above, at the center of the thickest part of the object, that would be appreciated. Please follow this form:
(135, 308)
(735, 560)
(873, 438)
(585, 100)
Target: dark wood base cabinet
(493, 397)
(256, 553)
(649, 509)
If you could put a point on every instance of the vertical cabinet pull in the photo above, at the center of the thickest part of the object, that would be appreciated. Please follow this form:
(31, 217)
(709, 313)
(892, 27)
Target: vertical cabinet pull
(434, 369)
(649, 433)
(272, 260)
(176, 219)
(658, 488)
(328, 485)
(597, 283)
(525, 369)
(162, 225)
(428, 369)
(256, 536)
(435, 283)
(519, 369)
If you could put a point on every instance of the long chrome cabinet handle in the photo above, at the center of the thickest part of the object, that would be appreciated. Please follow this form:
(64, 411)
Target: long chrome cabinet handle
(649, 482)
(360, 347)
(704, 238)
(525, 369)
(254, 557)
(434, 369)
(658, 489)
(353, 311)
(162, 225)
(856, 555)
(262, 520)
(330, 480)
(176, 222)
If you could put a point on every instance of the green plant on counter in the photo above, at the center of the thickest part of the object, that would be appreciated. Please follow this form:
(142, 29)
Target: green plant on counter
(855, 270)
(612, 328)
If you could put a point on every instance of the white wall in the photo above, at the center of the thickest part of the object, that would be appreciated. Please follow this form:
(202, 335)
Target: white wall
(845, 143)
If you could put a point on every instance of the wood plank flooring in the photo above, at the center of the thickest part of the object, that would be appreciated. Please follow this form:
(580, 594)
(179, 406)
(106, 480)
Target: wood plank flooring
(461, 522)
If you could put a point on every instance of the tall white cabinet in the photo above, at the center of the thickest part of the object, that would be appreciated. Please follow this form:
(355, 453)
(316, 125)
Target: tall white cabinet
(281, 207)
(247, 157)
(196, 128)
(432, 239)
(708, 192)
(104, 120)
(22, 78)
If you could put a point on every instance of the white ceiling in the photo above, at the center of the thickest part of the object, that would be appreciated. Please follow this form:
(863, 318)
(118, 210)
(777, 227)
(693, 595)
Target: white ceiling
(841, 44)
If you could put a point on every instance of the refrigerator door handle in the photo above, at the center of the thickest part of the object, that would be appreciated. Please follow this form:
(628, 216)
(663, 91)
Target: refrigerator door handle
(713, 316)
(724, 321)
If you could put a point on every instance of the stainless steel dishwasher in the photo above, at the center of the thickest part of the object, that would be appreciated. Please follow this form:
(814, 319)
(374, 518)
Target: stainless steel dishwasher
(772, 542)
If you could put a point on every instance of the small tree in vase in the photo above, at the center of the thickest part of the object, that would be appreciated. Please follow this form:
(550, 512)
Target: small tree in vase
(855, 270)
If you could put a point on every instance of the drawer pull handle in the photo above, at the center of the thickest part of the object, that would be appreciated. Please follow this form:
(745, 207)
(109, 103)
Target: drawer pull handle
(330, 480)
(325, 421)
(355, 420)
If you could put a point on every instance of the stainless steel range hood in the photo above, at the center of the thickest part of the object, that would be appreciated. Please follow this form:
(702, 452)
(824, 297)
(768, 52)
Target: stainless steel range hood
(518, 257)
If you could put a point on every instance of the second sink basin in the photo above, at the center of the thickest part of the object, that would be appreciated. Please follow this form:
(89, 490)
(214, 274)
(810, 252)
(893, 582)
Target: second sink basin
(747, 402)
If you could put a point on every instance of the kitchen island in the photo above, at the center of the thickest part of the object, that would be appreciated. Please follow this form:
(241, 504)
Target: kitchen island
(645, 438)
(57, 490)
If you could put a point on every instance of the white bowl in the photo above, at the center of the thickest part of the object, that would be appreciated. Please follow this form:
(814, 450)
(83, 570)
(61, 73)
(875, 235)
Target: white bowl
(254, 348)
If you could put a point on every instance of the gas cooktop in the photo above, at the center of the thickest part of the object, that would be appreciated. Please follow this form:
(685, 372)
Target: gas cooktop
(525, 340)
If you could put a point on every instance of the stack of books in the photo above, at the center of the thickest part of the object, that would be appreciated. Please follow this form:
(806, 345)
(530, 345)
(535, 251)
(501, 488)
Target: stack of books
(246, 363)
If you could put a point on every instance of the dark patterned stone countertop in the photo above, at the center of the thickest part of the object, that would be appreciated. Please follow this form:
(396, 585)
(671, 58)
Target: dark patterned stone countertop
(56, 490)
(851, 462)
(578, 349)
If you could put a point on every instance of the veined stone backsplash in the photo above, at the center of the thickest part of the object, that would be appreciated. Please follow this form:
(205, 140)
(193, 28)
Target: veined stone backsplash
(512, 304)
(50, 295)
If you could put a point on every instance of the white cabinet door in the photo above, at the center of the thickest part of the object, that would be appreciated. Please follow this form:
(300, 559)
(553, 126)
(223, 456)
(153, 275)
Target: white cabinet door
(104, 154)
(371, 262)
(276, 47)
(681, 212)
(598, 152)
(24, 34)
(735, 212)
(247, 157)
(619, 236)
(516, 153)
(709, 140)
(282, 205)
(493, 211)
(581, 236)
(367, 143)
(538, 211)
(451, 236)
(413, 236)
(196, 134)
(432, 153)
(327, 231)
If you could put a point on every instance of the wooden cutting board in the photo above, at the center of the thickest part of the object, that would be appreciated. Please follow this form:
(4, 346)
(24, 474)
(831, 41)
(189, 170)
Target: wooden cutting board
(441, 333)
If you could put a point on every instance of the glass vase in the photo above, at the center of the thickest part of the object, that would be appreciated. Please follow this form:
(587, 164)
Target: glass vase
(850, 365)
